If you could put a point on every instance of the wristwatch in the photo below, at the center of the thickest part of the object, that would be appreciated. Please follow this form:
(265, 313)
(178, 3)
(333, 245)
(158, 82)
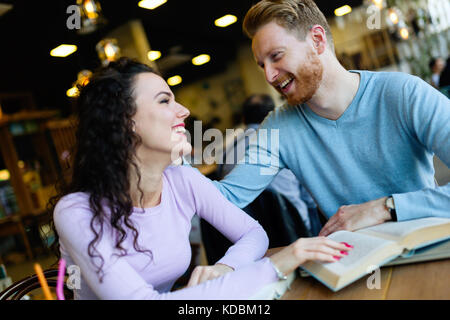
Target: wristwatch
(390, 206)
(280, 274)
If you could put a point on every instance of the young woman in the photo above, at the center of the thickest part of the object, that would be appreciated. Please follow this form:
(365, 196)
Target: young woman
(125, 217)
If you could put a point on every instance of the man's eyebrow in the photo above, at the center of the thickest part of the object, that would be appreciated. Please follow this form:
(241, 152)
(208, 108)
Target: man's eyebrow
(163, 92)
(268, 53)
(259, 63)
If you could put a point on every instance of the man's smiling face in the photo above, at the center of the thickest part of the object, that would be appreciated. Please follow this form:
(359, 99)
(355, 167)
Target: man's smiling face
(290, 65)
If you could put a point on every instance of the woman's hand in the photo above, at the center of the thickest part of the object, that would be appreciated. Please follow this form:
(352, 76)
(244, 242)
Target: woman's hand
(205, 273)
(308, 249)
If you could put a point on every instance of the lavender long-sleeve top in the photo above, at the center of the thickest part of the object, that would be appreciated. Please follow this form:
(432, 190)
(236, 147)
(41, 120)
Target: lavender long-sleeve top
(164, 230)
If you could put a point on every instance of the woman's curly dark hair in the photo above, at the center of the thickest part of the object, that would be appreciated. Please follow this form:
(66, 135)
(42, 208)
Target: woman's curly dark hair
(105, 153)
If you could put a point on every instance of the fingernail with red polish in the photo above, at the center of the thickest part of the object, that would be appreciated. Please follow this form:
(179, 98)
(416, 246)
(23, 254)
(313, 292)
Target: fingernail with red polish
(344, 253)
(337, 258)
(347, 245)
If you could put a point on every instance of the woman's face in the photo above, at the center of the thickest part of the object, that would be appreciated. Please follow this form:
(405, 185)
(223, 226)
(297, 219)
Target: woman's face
(159, 119)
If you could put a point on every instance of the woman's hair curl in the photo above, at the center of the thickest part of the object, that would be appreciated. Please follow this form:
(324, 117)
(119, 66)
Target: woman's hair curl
(105, 153)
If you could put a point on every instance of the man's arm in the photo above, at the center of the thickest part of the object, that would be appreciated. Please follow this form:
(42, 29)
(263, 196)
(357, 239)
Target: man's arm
(426, 115)
(427, 112)
(257, 170)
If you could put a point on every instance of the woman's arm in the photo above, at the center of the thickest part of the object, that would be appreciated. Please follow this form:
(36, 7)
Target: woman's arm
(249, 238)
(122, 282)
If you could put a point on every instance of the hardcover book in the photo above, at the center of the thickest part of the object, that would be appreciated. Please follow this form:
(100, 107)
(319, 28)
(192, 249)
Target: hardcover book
(377, 246)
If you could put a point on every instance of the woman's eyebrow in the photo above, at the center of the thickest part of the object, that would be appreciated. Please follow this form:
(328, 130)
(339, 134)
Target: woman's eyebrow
(163, 92)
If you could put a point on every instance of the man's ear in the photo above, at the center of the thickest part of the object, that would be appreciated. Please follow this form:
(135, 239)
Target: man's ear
(318, 37)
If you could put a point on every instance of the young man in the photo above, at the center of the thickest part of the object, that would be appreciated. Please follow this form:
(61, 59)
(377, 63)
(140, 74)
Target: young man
(361, 142)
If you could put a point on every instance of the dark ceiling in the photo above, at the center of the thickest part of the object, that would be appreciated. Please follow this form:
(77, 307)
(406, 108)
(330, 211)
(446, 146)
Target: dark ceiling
(32, 28)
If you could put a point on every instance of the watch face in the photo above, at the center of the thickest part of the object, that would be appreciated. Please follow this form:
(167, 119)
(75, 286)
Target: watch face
(390, 203)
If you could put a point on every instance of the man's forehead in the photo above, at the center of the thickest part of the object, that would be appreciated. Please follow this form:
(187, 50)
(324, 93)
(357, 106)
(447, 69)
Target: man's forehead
(263, 42)
(272, 35)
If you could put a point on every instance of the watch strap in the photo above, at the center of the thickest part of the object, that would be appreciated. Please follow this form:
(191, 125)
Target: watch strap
(393, 214)
(391, 210)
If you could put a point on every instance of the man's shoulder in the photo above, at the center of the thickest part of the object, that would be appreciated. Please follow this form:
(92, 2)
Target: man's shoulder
(391, 80)
(281, 116)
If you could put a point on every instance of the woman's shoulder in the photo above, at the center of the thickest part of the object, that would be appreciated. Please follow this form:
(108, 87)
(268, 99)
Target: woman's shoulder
(186, 179)
(72, 202)
(182, 173)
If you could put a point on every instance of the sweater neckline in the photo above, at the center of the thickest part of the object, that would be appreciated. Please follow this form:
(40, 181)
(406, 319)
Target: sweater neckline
(158, 208)
(350, 108)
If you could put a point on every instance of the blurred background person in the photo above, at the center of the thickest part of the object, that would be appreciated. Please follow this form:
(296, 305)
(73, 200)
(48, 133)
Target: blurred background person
(437, 65)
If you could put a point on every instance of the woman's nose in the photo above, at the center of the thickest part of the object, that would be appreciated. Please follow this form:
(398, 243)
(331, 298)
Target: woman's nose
(183, 112)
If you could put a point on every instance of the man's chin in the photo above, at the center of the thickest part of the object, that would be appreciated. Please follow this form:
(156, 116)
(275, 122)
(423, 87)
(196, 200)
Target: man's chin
(296, 101)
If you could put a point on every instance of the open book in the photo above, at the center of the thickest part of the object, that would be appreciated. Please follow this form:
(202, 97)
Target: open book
(376, 246)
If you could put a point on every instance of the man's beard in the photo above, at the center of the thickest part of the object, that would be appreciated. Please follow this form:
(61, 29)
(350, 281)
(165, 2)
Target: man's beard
(307, 80)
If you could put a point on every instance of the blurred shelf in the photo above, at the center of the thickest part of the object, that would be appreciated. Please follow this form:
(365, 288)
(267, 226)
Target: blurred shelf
(27, 115)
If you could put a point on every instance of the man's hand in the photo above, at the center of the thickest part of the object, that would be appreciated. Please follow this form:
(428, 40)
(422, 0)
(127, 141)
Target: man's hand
(205, 273)
(354, 217)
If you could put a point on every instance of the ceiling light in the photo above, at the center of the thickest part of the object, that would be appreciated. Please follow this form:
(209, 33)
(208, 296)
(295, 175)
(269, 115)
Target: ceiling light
(173, 81)
(378, 3)
(154, 55)
(151, 4)
(225, 21)
(201, 59)
(4, 175)
(342, 11)
(63, 50)
(73, 92)
(91, 16)
(108, 50)
(404, 33)
(91, 9)
(393, 16)
(83, 78)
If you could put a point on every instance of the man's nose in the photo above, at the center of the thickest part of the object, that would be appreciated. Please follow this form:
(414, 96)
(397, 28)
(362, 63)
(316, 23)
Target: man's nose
(270, 73)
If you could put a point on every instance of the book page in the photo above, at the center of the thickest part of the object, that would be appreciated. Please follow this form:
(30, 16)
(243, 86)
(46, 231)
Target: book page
(437, 251)
(364, 246)
(397, 230)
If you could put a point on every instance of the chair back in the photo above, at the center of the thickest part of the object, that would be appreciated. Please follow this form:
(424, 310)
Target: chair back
(279, 218)
(62, 133)
(19, 289)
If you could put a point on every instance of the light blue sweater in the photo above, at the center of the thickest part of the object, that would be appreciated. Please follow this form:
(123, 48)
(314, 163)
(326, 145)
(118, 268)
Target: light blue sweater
(382, 145)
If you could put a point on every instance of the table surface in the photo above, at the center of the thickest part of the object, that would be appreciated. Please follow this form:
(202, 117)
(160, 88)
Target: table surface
(419, 281)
